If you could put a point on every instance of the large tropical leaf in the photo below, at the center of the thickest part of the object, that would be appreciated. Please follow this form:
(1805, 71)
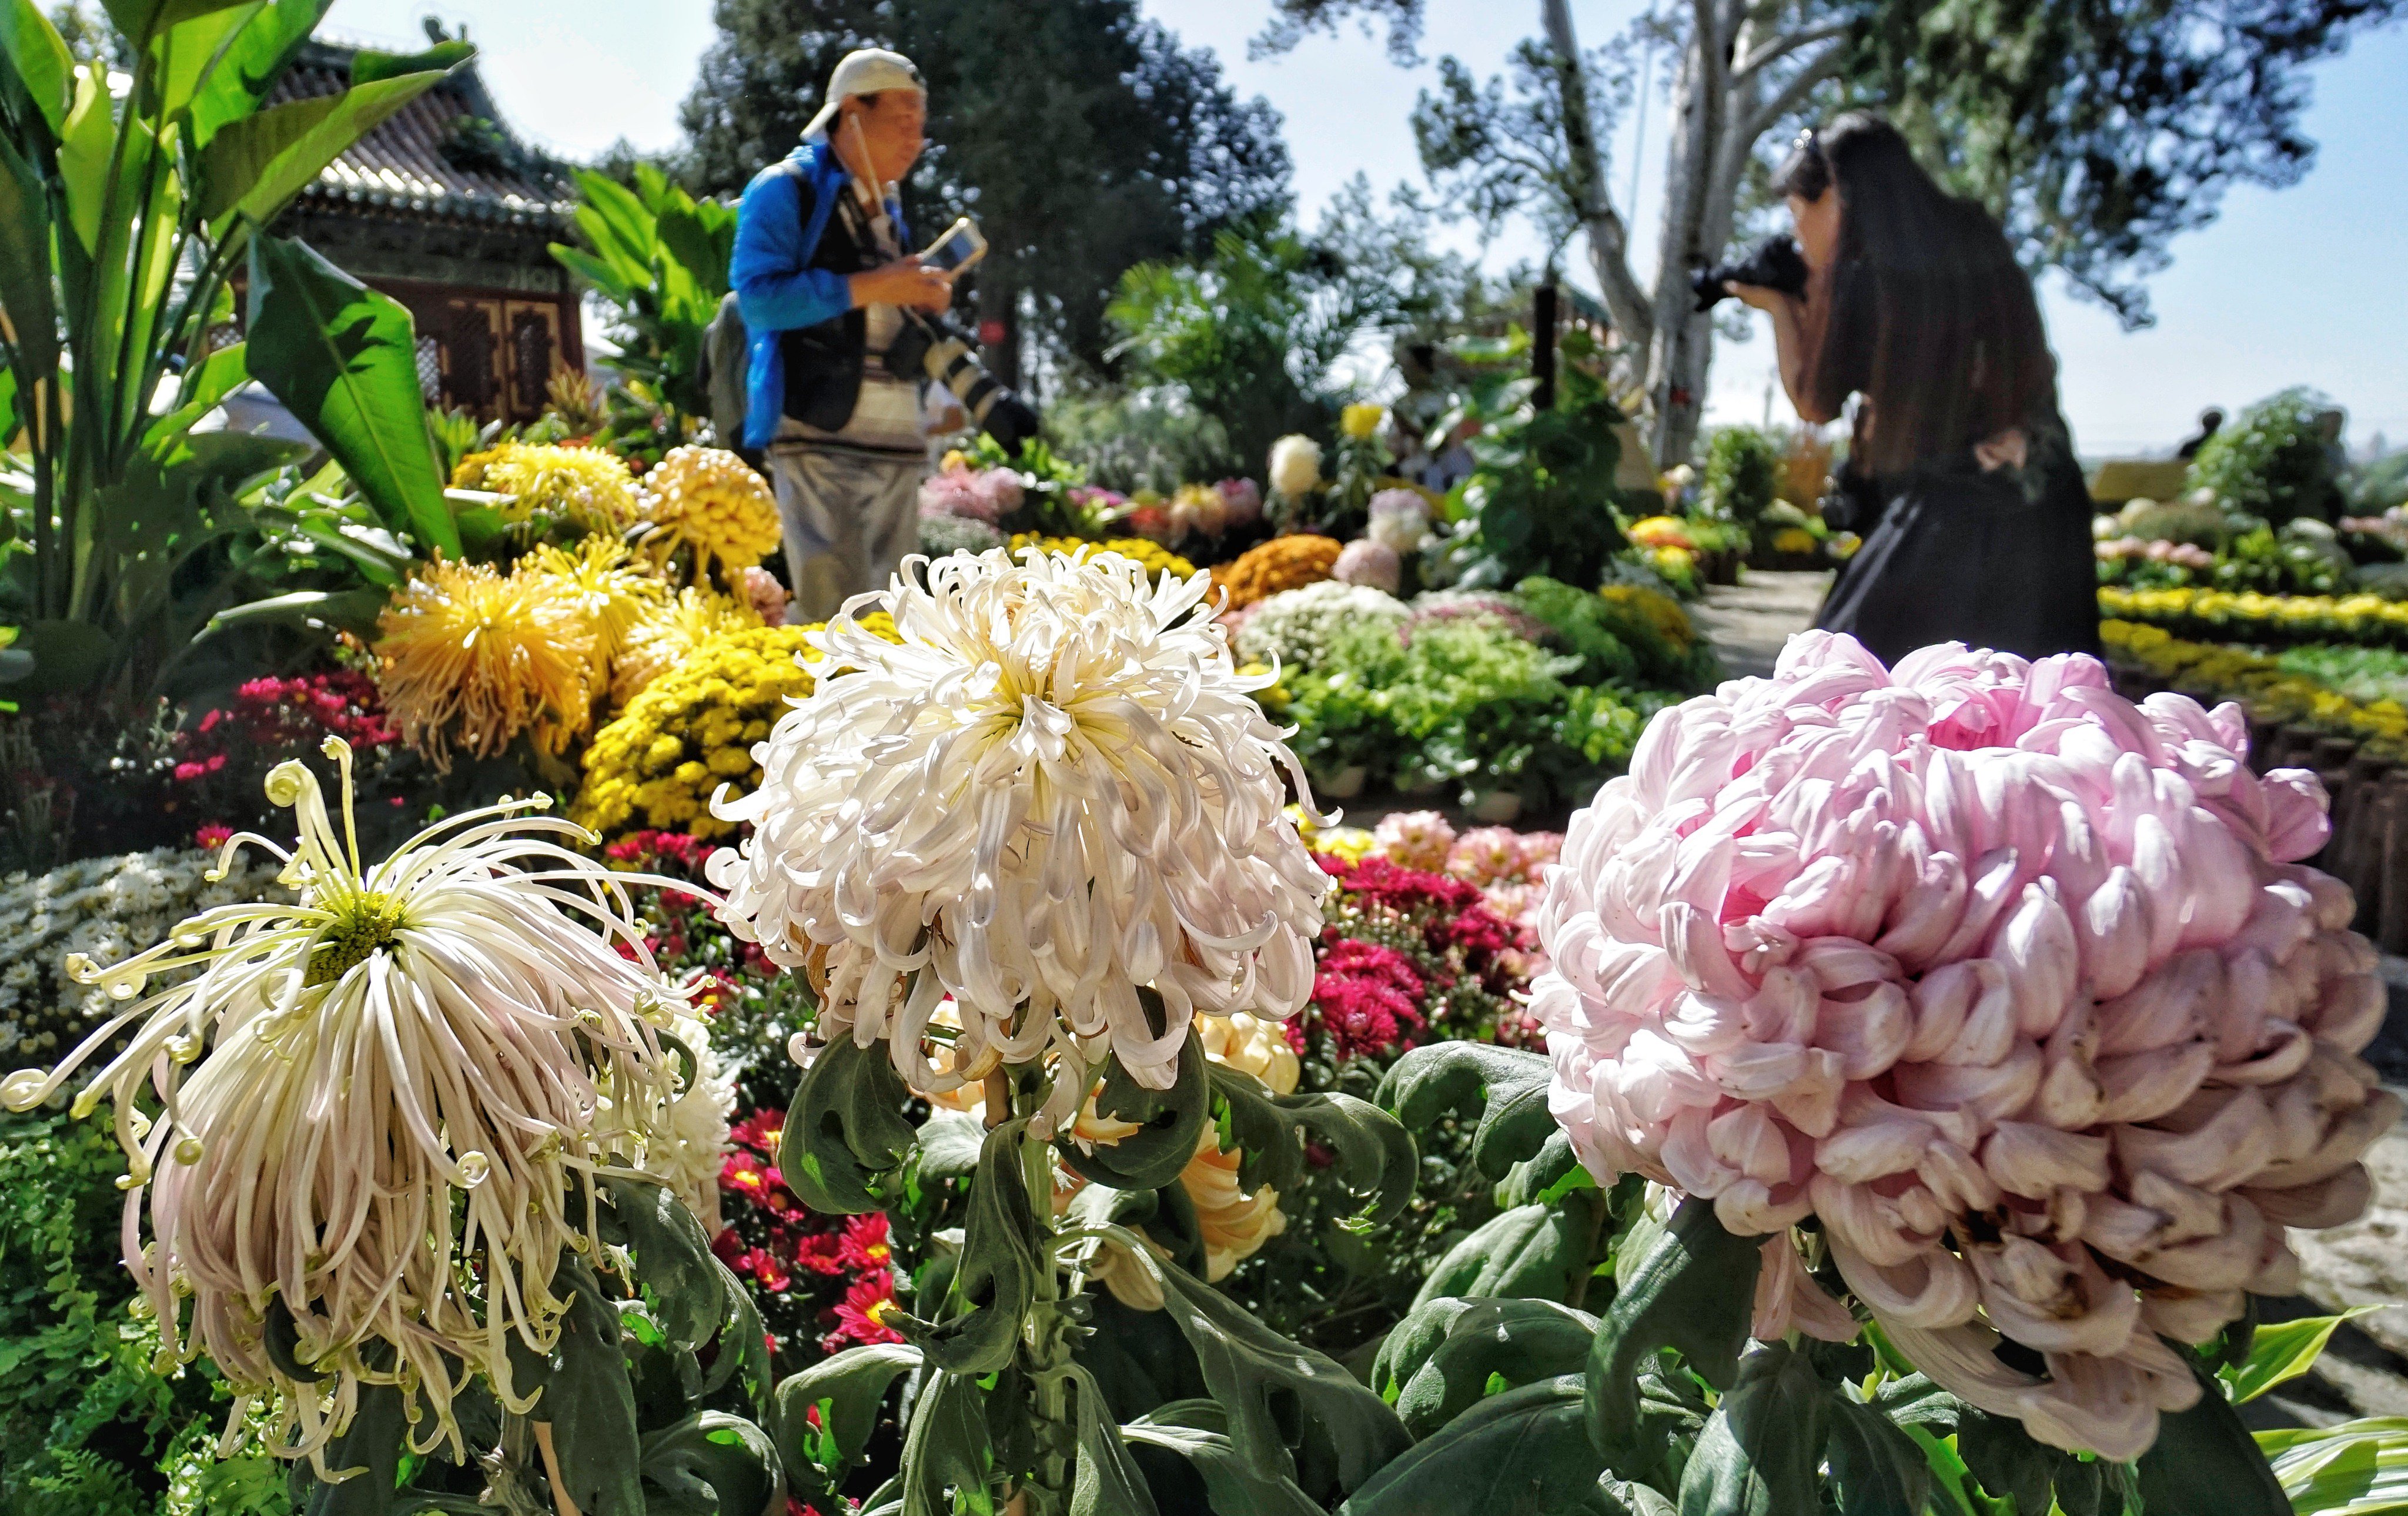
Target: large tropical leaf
(2357, 1469)
(183, 56)
(38, 56)
(368, 64)
(255, 165)
(85, 141)
(25, 263)
(253, 62)
(142, 19)
(2283, 1351)
(343, 359)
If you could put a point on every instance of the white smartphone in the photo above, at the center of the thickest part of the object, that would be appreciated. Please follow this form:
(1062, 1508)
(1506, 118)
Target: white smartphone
(956, 250)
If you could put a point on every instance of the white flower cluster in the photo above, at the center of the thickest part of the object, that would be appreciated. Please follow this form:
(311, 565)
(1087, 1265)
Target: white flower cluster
(108, 910)
(1296, 626)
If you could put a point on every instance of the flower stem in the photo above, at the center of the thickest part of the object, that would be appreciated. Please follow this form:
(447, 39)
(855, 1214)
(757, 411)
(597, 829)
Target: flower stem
(1048, 1341)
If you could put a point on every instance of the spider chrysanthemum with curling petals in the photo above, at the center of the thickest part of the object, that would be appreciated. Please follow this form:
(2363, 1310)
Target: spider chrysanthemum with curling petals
(2016, 986)
(371, 1103)
(1054, 790)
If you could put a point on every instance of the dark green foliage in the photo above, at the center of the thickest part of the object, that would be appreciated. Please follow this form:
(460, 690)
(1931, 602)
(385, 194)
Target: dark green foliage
(2205, 1459)
(2274, 460)
(1541, 499)
(1742, 475)
(846, 1129)
(1758, 1454)
(1692, 1291)
(1519, 1453)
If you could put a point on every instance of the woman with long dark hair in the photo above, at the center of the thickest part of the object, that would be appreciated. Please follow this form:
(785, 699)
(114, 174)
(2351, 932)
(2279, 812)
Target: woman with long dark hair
(1961, 474)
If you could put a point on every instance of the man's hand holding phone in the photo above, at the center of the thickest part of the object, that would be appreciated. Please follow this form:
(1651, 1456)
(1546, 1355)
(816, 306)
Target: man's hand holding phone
(903, 283)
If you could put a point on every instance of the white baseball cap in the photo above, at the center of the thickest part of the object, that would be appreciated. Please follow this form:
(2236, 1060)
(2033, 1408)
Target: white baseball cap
(867, 71)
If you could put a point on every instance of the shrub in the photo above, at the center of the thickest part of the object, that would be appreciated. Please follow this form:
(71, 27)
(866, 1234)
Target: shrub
(2274, 460)
(1742, 476)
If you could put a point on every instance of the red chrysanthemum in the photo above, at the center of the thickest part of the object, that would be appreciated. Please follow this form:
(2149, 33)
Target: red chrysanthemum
(866, 1244)
(1367, 998)
(860, 1315)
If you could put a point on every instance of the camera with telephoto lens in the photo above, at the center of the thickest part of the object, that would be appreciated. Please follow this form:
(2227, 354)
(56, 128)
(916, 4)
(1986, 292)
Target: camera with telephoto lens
(1774, 264)
(929, 345)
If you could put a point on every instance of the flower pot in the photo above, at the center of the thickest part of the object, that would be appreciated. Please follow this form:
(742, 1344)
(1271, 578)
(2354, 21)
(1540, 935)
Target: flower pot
(1497, 807)
(1344, 784)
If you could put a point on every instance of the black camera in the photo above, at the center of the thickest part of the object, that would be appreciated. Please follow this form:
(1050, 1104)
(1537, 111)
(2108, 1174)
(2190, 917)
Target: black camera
(1774, 264)
(929, 345)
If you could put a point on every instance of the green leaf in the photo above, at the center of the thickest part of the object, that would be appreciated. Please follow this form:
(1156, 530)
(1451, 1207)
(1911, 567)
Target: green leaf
(1521, 1453)
(1107, 1481)
(142, 19)
(590, 1402)
(205, 384)
(947, 1455)
(1878, 1469)
(184, 55)
(2283, 1351)
(673, 1259)
(343, 359)
(845, 1129)
(996, 1276)
(950, 1141)
(1197, 1432)
(1533, 1251)
(25, 263)
(1759, 1452)
(712, 1464)
(851, 1388)
(1374, 1152)
(84, 149)
(2359, 1468)
(1546, 1177)
(2204, 1459)
(370, 66)
(1516, 1341)
(39, 58)
(349, 610)
(67, 656)
(252, 63)
(1695, 1292)
(1169, 1122)
(2007, 1460)
(371, 1445)
(1271, 1386)
(256, 164)
(1512, 1084)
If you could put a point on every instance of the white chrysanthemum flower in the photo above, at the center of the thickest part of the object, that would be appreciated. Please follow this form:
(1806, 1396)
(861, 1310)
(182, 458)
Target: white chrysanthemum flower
(372, 1103)
(688, 1158)
(1054, 790)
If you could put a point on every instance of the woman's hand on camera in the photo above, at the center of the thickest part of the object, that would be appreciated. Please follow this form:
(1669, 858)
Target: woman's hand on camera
(902, 282)
(1762, 297)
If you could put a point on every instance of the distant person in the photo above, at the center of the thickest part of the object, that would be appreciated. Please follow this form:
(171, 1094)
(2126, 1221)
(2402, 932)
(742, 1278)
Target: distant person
(2211, 420)
(1961, 474)
(822, 277)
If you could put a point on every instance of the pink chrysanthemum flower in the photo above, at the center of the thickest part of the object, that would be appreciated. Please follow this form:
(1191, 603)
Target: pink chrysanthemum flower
(2016, 985)
(1413, 840)
(1487, 856)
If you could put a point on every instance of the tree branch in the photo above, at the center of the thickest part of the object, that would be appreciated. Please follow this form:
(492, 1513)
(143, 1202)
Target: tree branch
(1608, 240)
(1793, 93)
(1783, 46)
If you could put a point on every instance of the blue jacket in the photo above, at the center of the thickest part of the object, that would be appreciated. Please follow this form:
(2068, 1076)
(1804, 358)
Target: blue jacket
(776, 288)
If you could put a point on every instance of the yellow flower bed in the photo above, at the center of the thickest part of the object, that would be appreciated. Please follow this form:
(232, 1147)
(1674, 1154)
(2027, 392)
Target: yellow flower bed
(2273, 693)
(1157, 559)
(692, 729)
(589, 486)
(2366, 620)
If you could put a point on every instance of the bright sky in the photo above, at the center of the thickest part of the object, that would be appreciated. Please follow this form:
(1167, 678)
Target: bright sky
(2302, 286)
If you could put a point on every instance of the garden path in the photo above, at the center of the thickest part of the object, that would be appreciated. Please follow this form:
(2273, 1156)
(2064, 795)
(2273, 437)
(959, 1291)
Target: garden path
(1748, 622)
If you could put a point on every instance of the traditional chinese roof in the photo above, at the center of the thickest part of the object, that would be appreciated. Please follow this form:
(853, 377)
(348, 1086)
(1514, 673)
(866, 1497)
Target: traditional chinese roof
(445, 157)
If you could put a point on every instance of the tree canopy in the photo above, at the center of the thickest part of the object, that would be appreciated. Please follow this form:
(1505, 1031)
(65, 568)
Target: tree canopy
(1082, 138)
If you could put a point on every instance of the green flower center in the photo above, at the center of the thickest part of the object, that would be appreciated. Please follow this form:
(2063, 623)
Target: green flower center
(361, 925)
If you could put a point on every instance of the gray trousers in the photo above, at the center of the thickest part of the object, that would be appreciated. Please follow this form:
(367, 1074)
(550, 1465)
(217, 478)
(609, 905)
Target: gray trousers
(850, 519)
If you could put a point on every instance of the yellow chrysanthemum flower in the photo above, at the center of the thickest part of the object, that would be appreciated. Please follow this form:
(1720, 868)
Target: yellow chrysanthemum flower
(1659, 612)
(692, 729)
(1157, 559)
(587, 485)
(1362, 423)
(610, 587)
(670, 633)
(710, 500)
(469, 656)
(1793, 539)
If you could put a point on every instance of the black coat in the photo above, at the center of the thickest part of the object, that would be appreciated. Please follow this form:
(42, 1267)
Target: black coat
(1999, 558)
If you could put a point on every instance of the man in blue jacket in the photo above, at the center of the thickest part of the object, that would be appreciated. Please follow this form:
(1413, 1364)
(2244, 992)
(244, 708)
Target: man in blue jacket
(821, 279)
